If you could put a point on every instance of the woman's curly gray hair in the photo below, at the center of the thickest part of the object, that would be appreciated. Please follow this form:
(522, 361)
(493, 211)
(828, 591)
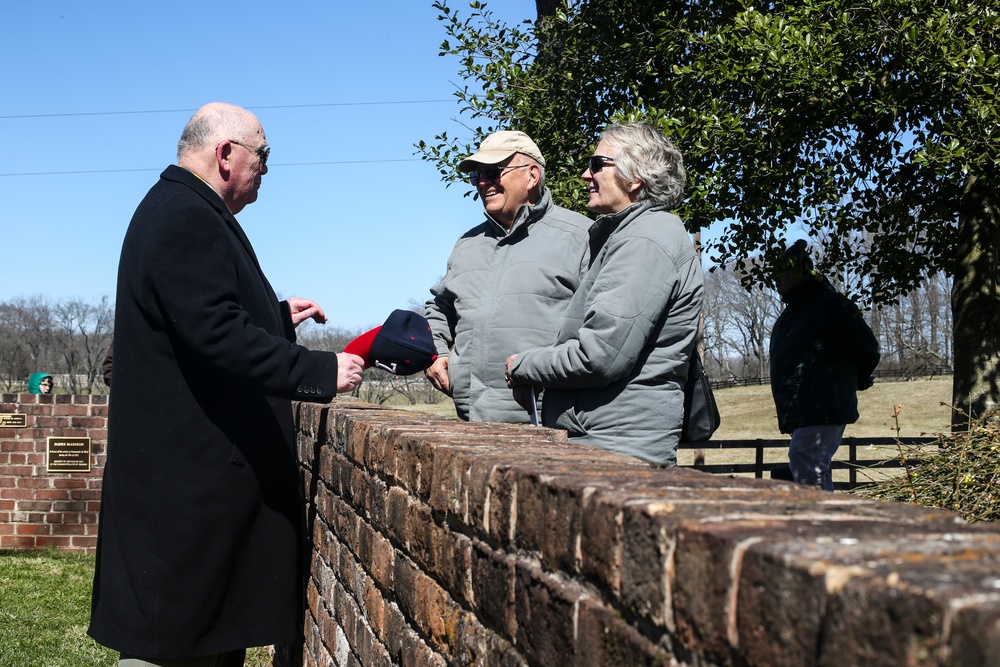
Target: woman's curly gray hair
(644, 154)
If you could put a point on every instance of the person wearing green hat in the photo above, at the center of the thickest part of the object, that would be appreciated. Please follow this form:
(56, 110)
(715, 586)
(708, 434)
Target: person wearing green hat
(40, 383)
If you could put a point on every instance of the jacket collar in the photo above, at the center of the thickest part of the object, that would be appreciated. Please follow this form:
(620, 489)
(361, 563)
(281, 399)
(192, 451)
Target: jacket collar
(629, 212)
(205, 191)
(607, 224)
(526, 215)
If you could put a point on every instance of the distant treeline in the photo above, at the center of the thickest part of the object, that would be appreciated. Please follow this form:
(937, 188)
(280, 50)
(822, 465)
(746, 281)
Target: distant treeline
(65, 338)
(69, 339)
(914, 334)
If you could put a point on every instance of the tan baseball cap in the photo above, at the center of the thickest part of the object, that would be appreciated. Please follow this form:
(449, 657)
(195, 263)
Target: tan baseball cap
(501, 145)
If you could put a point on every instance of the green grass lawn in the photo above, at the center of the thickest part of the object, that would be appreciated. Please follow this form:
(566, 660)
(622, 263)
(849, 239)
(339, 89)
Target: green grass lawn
(748, 412)
(45, 610)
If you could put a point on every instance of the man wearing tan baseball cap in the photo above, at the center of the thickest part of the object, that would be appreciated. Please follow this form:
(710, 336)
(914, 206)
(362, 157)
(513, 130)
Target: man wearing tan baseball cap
(499, 146)
(508, 281)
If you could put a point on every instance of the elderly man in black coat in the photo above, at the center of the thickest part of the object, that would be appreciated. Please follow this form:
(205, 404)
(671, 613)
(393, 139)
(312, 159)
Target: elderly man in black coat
(200, 549)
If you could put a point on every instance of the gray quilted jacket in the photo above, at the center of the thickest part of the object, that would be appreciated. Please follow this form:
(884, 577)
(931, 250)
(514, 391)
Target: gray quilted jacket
(614, 378)
(502, 293)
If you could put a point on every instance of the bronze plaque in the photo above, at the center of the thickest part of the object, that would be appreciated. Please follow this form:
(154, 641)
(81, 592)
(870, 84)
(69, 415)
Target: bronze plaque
(69, 455)
(13, 420)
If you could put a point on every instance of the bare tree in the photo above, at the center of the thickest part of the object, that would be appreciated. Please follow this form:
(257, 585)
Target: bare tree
(914, 333)
(25, 326)
(81, 333)
(325, 337)
(376, 388)
(738, 321)
(416, 389)
(14, 361)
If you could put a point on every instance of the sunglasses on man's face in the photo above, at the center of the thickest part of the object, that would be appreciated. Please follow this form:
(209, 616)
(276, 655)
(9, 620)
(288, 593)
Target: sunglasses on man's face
(597, 163)
(491, 173)
(262, 153)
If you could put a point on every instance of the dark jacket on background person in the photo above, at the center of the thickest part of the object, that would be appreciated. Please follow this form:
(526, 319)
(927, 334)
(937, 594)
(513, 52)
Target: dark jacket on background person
(614, 377)
(822, 353)
(107, 364)
(200, 549)
(505, 292)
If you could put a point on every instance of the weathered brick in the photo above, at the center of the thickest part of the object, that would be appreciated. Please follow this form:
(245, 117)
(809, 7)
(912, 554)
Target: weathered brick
(17, 542)
(499, 505)
(54, 542)
(975, 634)
(379, 557)
(395, 630)
(605, 638)
(545, 611)
(397, 514)
(87, 422)
(69, 483)
(374, 605)
(450, 561)
(550, 511)
(68, 410)
(492, 574)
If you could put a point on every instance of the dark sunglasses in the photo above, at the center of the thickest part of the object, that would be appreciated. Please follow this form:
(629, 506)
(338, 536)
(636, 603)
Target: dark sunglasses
(262, 153)
(491, 174)
(597, 163)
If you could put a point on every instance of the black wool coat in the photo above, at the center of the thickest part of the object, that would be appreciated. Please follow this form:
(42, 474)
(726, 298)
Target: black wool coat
(200, 547)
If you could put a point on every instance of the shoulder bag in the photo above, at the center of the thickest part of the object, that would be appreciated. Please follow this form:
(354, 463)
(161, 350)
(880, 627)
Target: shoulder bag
(701, 414)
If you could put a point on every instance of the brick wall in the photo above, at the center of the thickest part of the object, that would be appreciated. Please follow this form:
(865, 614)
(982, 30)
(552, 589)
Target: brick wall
(40, 509)
(436, 542)
(442, 543)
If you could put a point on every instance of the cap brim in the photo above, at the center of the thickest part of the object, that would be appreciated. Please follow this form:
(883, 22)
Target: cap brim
(484, 157)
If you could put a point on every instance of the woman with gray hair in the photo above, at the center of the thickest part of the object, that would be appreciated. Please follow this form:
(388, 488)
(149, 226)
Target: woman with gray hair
(615, 376)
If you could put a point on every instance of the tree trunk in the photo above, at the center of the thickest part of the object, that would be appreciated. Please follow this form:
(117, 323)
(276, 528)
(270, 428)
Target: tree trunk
(975, 299)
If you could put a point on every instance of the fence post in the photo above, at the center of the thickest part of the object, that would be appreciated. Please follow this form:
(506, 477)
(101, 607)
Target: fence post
(759, 463)
(852, 457)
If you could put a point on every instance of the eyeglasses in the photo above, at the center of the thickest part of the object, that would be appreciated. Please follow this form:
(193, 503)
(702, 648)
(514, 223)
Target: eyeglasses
(597, 163)
(262, 153)
(491, 173)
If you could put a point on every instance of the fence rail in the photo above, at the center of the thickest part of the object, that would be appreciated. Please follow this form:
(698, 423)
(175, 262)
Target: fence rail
(852, 464)
(888, 374)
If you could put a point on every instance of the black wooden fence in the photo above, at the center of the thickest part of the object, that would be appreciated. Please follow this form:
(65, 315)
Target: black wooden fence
(858, 457)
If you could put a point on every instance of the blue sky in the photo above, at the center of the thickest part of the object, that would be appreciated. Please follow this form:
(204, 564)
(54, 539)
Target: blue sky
(347, 214)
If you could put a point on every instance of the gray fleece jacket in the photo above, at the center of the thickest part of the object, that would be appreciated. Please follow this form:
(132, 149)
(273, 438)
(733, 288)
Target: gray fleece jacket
(505, 292)
(614, 378)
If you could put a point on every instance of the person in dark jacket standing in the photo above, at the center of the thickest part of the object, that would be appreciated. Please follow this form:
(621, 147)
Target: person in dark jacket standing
(200, 549)
(822, 354)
